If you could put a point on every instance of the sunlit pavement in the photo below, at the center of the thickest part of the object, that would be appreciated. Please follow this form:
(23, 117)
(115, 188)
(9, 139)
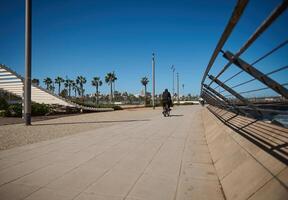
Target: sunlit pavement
(155, 158)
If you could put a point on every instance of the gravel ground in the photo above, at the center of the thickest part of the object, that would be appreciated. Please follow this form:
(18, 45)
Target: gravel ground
(18, 134)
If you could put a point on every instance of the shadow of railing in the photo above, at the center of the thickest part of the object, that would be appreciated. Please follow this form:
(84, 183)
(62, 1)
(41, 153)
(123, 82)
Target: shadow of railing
(271, 138)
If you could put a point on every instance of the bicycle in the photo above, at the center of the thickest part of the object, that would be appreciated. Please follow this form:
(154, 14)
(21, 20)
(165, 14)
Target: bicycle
(166, 110)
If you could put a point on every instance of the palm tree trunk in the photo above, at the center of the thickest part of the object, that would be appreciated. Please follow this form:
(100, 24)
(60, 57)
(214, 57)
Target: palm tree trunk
(69, 89)
(97, 93)
(81, 92)
(59, 89)
(111, 91)
(145, 100)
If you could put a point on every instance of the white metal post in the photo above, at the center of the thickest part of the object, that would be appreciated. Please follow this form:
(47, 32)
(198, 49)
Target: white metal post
(153, 80)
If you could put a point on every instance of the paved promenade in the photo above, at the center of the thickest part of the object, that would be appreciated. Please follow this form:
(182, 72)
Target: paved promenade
(151, 158)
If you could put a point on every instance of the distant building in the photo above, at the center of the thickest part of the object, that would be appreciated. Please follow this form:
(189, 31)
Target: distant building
(142, 93)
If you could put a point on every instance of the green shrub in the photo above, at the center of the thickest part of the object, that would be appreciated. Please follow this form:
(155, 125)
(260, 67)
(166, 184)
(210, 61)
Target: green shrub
(38, 109)
(2, 113)
(115, 107)
(14, 110)
(90, 104)
(3, 104)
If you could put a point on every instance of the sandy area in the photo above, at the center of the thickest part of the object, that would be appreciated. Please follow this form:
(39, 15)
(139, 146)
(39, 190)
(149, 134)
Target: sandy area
(18, 134)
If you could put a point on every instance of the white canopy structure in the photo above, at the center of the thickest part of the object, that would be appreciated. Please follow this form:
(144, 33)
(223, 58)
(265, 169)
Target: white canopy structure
(13, 83)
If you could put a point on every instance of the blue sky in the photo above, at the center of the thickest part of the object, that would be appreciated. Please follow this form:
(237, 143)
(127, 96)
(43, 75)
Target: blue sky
(91, 38)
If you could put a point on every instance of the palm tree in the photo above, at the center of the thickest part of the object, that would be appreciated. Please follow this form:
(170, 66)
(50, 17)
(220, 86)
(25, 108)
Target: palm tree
(58, 81)
(114, 79)
(47, 81)
(75, 88)
(35, 81)
(96, 82)
(68, 84)
(144, 82)
(81, 80)
(109, 79)
(51, 87)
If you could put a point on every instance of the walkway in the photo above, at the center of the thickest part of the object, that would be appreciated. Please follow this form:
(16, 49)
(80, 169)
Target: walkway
(153, 159)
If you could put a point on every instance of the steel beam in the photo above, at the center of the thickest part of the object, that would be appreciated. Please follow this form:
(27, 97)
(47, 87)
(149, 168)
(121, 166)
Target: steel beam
(231, 91)
(216, 99)
(234, 107)
(238, 96)
(237, 12)
(216, 93)
(212, 101)
(262, 28)
(257, 74)
(208, 99)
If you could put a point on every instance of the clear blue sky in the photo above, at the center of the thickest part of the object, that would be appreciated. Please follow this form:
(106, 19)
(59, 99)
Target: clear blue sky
(91, 38)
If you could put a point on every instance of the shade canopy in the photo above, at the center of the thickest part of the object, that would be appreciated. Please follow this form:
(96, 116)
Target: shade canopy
(13, 83)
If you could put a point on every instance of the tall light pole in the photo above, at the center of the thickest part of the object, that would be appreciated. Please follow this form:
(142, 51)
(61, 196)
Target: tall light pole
(114, 84)
(173, 89)
(27, 83)
(153, 80)
(178, 101)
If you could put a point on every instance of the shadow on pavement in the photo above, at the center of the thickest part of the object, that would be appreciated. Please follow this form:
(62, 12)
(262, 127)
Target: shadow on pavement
(94, 122)
(18, 120)
(176, 115)
(271, 138)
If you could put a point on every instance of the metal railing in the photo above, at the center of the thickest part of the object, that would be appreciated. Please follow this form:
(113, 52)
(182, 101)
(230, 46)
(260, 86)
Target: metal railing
(240, 86)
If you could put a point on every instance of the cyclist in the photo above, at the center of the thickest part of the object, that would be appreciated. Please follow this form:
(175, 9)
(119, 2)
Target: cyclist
(166, 101)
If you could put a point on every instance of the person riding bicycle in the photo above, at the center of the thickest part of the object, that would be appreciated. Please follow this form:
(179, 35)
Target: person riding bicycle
(166, 99)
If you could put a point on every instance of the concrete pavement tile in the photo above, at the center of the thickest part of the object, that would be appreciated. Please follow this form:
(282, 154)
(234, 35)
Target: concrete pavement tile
(45, 175)
(48, 194)
(283, 176)
(197, 141)
(199, 171)
(106, 160)
(6, 162)
(197, 148)
(171, 172)
(132, 165)
(78, 179)
(233, 159)
(116, 183)
(85, 196)
(13, 191)
(22, 169)
(154, 188)
(197, 157)
(253, 176)
(271, 190)
(77, 158)
(190, 188)
(270, 162)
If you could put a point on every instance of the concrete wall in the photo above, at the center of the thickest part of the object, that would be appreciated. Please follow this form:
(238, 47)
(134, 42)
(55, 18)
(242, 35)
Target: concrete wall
(245, 170)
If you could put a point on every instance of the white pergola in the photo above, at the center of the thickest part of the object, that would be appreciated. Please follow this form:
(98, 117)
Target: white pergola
(13, 83)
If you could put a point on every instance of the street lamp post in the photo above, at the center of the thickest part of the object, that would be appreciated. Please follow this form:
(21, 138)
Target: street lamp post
(153, 80)
(114, 80)
(27, 83)
(173, 89)
(178, 100)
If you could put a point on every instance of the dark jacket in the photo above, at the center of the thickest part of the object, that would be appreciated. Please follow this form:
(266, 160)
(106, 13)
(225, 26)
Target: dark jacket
(166, 98)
